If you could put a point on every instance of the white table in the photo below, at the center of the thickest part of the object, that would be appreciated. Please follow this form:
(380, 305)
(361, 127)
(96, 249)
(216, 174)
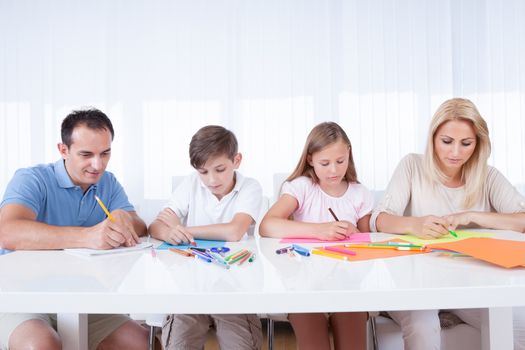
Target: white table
(56, 282)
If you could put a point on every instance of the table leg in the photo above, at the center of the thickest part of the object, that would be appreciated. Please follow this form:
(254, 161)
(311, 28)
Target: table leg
(497, 329)
(72, 329)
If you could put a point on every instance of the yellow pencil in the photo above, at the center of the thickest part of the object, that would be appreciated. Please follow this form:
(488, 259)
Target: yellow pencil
(330, 255)
(111, 218)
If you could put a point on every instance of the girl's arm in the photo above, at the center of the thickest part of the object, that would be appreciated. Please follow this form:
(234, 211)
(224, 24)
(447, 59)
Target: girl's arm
(276, 223)
(495, 221)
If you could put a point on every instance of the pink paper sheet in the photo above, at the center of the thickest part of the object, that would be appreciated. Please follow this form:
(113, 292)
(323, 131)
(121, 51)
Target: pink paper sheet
(356, 237)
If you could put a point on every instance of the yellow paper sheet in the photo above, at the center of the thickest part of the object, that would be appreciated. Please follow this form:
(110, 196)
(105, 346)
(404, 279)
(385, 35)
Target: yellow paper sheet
(448, 238)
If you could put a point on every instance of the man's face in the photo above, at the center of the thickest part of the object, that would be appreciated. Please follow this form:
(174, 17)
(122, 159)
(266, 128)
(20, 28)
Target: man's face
(88, 156)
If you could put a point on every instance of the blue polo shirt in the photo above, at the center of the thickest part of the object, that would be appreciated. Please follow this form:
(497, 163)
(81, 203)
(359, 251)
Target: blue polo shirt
(48, 191)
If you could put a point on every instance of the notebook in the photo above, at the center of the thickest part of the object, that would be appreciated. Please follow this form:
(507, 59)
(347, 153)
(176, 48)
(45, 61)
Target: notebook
(97, 252)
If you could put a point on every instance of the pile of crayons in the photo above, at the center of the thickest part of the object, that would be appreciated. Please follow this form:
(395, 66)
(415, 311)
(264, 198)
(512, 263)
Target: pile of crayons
(343, 254)
(294, 248)
(389, 245)
(207, 255)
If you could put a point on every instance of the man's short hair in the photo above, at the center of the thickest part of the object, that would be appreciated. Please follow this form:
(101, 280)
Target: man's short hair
(211, 141)
(91, 118)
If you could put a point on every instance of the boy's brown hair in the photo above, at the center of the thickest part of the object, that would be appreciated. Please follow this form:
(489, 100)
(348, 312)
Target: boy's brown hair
(209, 142)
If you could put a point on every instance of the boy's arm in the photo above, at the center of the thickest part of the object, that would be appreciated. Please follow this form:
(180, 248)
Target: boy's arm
(20, 230)
(168, 228)
(231, 232)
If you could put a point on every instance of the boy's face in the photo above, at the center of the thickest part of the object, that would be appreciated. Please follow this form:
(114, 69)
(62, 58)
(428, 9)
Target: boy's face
(218, 174)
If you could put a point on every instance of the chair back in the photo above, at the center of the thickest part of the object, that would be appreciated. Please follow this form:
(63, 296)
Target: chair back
(278, 180)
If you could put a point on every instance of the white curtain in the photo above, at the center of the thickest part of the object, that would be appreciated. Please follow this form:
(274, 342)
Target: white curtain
(267, 69)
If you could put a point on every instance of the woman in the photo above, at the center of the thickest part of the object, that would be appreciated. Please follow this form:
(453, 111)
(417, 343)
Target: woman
(449, 186)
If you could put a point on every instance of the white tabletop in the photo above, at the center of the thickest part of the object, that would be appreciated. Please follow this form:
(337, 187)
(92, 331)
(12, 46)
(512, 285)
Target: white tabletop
(56, 282)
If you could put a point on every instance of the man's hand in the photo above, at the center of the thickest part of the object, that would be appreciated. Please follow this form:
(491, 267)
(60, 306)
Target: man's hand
(111, 234)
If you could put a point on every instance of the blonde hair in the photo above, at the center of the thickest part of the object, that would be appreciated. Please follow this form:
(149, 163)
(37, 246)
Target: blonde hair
(323, 135)
(474, 171)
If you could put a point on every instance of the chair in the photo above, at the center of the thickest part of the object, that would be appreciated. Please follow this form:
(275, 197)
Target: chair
(386, 335)
(278, 180)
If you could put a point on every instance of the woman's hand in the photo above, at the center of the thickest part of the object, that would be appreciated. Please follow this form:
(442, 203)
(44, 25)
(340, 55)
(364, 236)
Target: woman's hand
(430, 227)
(458, 219)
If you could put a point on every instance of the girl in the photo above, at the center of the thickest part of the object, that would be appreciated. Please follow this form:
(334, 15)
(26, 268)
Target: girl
(325, 178)
(449, 186)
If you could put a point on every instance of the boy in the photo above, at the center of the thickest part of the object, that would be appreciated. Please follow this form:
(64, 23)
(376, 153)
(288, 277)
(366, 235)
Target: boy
(215, 203)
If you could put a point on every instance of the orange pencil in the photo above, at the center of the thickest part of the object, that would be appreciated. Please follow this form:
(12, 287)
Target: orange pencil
(181, 252)
(246, 257)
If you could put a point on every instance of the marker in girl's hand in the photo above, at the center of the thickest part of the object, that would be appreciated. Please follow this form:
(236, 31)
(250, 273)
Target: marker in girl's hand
(453, 233)
(333, 214)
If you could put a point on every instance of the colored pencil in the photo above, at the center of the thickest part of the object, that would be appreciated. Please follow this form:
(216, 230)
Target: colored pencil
(329, 255)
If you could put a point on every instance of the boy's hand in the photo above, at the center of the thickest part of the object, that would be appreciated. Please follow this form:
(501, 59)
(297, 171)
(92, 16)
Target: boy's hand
(178, 234)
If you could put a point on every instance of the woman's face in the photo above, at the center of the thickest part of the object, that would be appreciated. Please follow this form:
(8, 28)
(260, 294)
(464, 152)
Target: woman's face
(454, 143)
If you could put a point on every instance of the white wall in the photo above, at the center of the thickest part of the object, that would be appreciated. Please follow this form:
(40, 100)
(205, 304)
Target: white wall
(268, 69)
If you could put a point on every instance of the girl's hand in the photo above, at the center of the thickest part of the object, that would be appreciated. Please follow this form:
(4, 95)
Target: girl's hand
(333, 231)
(430, 227)
(351, 229)
(455, 220)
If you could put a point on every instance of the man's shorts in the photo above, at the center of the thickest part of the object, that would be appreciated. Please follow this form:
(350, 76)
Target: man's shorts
(99, 326)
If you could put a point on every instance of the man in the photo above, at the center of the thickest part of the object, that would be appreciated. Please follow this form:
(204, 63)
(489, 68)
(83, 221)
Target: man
(53, 206)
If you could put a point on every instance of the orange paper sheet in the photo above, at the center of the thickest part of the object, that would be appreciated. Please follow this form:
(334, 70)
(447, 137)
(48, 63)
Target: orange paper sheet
(496, 251)
(371, 253)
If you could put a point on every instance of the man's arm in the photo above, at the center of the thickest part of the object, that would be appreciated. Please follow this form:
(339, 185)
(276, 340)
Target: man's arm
(138, 224)
(20, 230)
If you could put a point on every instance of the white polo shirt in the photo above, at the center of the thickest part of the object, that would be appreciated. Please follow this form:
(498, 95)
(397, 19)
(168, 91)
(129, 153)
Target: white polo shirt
(196, 205)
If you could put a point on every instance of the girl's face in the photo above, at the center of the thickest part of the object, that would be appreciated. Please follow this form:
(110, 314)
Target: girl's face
(330, 163)
(454, 143)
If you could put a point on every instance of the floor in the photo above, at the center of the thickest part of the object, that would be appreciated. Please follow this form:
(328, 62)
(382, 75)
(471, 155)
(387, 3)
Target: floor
(283, 338)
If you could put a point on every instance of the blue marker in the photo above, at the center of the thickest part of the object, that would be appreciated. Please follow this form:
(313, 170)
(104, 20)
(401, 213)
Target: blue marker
(300, 250)
(208, 260)
(5, 251)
